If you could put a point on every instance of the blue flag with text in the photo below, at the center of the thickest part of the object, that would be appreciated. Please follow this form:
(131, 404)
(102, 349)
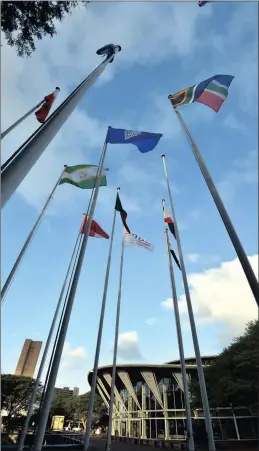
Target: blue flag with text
(144, 141)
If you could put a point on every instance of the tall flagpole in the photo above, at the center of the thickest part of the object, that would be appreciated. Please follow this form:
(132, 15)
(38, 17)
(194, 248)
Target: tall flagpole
(109, 434)
(250, 275)
(46, 350)
(191, 446)
(98, 343)
(64, 326)
(203, 389)
(29, 153)
(28, 241)
(9, 129)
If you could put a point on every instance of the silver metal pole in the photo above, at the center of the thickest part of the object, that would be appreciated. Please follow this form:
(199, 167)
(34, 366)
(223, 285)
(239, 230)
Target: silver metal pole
(190, 439)
(235, 422)
(19, 167)
(250, 275)
(63, 330)
(98, 343)
(109, 434)
(46, 350)
(9, 129)
(203, 389)
(28, 242)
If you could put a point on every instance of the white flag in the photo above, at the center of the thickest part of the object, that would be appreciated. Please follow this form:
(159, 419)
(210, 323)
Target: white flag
(132, 239)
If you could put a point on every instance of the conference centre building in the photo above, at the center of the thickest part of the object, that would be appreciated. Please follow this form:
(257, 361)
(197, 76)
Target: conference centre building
(149, 405)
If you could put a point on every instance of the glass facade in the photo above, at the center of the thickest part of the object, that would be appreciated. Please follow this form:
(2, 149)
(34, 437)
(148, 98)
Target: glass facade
(152, 407)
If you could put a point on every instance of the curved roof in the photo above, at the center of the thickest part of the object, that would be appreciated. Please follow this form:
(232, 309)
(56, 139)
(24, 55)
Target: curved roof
(193, 359)
(162, 370)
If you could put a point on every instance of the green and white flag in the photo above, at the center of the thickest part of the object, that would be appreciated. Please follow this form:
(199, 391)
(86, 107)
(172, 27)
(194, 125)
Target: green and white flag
(83, 176)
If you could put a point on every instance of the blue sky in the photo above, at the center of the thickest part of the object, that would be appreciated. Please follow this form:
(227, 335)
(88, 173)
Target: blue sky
(165, 48)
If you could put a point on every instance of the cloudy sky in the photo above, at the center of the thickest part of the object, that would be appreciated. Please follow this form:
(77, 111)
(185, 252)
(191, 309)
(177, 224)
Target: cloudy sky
(165, 47)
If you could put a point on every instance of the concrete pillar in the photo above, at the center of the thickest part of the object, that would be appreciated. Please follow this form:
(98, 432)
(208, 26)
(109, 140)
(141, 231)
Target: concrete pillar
(143, 413)
(165, 402)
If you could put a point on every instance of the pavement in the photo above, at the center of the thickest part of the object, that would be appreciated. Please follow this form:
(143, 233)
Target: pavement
(99, 445)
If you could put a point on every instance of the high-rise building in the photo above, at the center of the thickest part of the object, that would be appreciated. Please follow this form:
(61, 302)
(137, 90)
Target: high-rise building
(66, 391)
(28, 358)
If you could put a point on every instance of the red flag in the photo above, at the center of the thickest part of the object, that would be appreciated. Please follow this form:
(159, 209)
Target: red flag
(96, 231)
(44, 110)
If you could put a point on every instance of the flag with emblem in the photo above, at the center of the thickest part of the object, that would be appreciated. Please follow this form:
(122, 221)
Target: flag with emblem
(133, 239)
(96, 231)
(118, 207)
(211, 92)
(174, 256)
(42, 113)
(144, 141)
(83, 176)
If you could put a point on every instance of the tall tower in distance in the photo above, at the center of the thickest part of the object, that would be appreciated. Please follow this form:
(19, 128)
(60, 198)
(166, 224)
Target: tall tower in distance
(28, 358)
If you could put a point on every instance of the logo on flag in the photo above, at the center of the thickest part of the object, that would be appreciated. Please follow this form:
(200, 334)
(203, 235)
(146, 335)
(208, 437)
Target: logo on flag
(82, 174)
(128, 134)
(132, 239)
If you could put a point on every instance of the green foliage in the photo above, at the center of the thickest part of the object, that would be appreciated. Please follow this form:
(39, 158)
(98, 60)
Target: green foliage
(234, 377)
(76, 407)
(15, 396)
(24, 22)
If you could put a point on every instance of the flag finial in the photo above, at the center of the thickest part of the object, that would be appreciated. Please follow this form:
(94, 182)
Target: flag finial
(163, 155)
(118, 189)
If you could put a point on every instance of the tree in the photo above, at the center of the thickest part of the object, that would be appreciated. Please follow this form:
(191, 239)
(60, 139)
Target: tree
(76, 407)
(233, 378)
(16, 392)
(59, 405)
(24, 22)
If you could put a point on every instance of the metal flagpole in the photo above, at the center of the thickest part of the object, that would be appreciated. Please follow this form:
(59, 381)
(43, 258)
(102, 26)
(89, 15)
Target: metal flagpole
(98, 343)
(19, 167)
(28, 242)
(190, 439)
(203, 389)
(63, 330)
(46, 350)
(62, 313)
(109, 434)
(9, 129)
(250, 275)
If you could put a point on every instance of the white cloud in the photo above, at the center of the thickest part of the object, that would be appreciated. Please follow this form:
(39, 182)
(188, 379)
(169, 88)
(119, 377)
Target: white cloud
(202, 259)
(167, 304)
(128, 346)
(221, 295)
(151, 321)
(231, 121)
(73, 368)
(243, 172)
(74, 353)
(62, 61)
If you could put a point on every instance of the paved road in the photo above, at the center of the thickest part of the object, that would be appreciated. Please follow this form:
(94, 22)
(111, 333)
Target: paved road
(99, 445)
